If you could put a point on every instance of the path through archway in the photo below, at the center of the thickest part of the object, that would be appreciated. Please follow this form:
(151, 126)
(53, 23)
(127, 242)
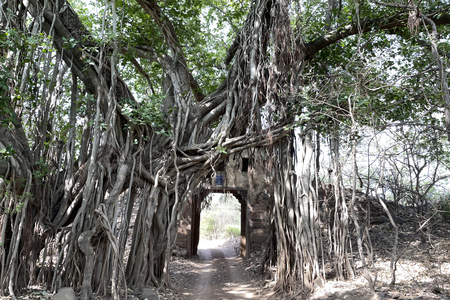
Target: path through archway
(194, 237)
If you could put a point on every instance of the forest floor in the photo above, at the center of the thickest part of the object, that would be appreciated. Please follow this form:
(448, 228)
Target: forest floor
(423, 271)
(218, 273)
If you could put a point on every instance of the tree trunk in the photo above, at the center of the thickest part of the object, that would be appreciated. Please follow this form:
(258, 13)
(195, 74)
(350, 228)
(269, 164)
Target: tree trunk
(295, 215)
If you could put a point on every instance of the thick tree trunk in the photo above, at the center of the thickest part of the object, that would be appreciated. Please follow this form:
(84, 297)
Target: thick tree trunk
(340, 227)
(295, 215)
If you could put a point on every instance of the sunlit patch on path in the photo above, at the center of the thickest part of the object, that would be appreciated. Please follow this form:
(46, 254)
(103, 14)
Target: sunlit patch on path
(219, 274)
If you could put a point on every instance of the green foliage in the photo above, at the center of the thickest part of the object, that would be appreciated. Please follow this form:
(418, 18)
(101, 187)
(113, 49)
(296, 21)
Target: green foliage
(148, 113)
(7, 152)
(7, 115)
(205, 29)
(20, 44)
(6, 193)
(209, 228)
(232, 231)
(221, 149)
(69, 43)
(41, 169)
(16, 209)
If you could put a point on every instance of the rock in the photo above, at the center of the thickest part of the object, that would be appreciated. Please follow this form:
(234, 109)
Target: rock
(65, 293)
(383, 219)
(318, 283)
(399, 220)
(436, 290)
(375, 296)
(149, 294)
(380, 220)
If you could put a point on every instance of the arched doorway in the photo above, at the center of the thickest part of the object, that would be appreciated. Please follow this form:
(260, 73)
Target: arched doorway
(194, 235)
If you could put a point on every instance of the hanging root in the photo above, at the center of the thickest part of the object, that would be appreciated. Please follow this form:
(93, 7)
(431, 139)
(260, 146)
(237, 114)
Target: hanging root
(84, 242)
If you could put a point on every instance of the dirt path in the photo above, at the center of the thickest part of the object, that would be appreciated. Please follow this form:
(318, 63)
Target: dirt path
(218, 274)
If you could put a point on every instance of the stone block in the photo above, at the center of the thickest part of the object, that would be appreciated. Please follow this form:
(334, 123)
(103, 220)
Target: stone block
(65, 293)
(149, 294)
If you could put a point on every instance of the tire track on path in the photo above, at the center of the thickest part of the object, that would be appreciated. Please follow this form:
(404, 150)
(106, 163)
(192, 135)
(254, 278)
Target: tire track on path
(220, 275)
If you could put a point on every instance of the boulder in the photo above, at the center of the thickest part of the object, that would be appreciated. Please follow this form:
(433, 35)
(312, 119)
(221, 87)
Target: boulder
(384, 219)
(65, 293)
(399, 220)
(379, 220)
(149, 294)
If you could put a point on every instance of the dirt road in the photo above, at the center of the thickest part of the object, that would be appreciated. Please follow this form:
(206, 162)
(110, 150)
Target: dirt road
(218, 274)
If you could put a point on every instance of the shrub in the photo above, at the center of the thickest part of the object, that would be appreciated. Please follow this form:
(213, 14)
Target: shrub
(232, 231)
(209, 228)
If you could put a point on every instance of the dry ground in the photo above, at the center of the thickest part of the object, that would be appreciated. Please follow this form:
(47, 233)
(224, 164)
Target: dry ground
(218, 273)
(423, 271)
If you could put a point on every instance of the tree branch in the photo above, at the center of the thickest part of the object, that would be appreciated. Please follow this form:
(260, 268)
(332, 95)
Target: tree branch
(395, 5)
(368, 25)
(171, 38)
(442, 72)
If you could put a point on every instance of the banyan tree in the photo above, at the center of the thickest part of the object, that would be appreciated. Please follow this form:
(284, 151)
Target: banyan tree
(142, 110)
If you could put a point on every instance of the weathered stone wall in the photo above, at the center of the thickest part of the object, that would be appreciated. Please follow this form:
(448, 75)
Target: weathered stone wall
(259, 200)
